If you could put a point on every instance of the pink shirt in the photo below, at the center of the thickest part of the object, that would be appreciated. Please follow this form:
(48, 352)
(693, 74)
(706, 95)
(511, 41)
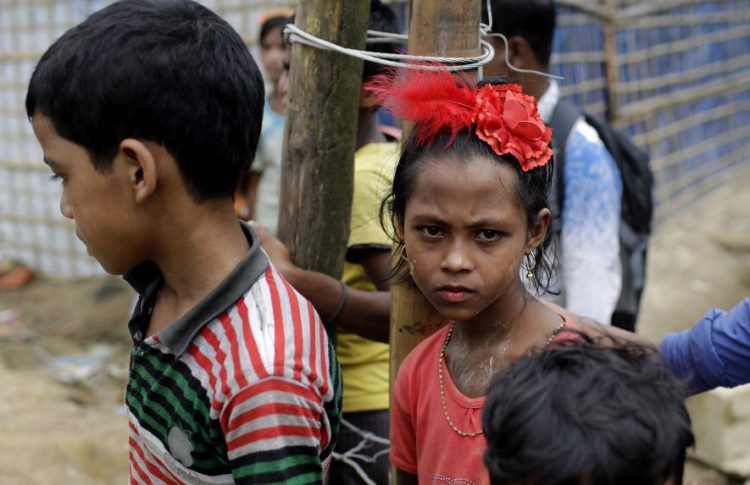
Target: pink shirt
(422, 442)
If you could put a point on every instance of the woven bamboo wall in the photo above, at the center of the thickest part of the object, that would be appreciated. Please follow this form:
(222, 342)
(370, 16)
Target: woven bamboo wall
(672, 73)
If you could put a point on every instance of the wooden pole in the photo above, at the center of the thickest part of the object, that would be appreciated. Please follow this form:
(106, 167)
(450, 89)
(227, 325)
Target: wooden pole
(319, 136)
(436, 28)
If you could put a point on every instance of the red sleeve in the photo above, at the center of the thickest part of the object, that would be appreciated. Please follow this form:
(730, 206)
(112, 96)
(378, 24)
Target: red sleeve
(403, 432)
(272, 426)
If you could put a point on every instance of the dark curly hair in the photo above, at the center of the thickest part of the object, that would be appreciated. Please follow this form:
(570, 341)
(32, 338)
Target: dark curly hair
(586, 413)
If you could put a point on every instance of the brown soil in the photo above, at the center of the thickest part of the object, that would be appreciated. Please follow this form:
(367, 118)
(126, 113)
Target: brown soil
(51, 432)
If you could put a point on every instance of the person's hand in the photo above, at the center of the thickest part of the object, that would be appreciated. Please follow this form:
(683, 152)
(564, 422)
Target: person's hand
(277, 252)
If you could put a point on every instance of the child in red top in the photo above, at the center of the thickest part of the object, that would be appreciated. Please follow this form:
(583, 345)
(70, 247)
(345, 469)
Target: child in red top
(469, 204)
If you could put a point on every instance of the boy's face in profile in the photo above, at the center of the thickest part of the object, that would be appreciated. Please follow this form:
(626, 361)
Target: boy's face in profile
(101, 204)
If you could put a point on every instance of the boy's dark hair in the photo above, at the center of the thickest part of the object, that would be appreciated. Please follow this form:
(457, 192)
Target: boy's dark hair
(584, 413)
(534, 20)
(531, 191)
(167, 71)
(382, 18)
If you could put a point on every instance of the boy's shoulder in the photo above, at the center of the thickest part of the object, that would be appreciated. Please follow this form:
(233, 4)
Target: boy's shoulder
(252, 323)
(271, 331)
(234, 342)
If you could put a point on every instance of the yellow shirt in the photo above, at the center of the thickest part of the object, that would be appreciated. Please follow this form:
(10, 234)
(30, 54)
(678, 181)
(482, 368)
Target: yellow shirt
(365, 362)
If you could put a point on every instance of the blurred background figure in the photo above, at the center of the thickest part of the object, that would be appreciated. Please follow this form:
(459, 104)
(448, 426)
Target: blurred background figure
(258, 195)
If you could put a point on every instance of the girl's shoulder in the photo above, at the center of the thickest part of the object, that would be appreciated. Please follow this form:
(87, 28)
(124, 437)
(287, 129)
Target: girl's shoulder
(425, 353)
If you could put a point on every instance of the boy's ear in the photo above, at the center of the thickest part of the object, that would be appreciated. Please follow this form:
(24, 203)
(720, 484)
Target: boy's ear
(520, 53)
(539, 231)
(141, 166)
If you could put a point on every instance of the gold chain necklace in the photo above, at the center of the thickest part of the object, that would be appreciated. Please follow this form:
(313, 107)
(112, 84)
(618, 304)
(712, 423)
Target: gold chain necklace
(442, 363)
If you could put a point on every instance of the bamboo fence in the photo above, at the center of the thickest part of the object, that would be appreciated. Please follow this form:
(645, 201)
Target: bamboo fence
(674, 74)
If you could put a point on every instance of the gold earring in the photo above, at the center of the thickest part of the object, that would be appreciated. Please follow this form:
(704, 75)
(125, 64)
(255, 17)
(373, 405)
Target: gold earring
(528, 264)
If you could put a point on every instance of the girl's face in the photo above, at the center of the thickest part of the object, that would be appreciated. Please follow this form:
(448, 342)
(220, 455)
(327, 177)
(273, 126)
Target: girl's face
(465, 235)
(272, 50)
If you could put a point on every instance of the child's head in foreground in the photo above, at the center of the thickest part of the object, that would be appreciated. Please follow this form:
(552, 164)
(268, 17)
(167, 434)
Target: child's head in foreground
(141, 91)
(586, 415)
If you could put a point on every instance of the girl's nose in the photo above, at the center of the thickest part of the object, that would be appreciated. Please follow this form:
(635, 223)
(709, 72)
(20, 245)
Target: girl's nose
(457, 259)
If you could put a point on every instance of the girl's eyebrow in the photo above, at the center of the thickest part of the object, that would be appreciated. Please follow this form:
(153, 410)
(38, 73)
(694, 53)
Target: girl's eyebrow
(485, 223)
(428, 219)
(480, 223)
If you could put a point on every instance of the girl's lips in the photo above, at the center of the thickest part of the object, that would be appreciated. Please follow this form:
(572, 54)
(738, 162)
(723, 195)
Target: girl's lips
(454, 294)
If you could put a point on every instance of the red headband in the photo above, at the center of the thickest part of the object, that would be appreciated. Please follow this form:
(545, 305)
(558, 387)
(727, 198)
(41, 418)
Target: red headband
(502, 116)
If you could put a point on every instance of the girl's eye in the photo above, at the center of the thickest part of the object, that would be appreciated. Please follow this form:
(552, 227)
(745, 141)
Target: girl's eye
(55, 177)
(432, 231)
(489, 235)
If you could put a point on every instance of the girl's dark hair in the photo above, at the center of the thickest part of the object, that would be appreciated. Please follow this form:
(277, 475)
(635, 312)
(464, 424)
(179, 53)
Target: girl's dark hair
(270, 24)
(531, 191)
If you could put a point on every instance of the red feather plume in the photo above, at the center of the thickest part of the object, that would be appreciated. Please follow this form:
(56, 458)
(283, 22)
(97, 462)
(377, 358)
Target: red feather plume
(434, 100)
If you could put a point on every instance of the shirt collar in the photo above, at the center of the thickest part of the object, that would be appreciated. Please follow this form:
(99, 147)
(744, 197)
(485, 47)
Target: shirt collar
(546, 104)
(175, 339)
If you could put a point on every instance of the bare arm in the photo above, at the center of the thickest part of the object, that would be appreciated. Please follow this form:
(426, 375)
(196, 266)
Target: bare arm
(366, 313)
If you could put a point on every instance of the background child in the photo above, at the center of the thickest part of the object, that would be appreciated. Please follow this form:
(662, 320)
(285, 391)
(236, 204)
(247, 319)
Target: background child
(469, 206)
(360, 303)
(259, 194)
(586, 414)
(589, 277)
(149, 113)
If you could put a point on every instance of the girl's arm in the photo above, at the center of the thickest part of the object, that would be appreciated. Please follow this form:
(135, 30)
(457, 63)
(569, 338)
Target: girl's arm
(403, 478)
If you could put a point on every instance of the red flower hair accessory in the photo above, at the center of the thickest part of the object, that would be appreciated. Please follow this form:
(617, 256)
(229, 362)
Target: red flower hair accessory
(503, 116)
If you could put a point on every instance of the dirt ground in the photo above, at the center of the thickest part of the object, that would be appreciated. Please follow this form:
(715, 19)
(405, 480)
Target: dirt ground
(57, 432)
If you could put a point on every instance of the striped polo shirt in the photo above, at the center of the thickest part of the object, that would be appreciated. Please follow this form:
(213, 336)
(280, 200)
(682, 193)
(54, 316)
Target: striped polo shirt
(244, 388)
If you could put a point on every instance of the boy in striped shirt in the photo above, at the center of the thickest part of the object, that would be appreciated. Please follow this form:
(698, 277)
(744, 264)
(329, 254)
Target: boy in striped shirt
(149, 113)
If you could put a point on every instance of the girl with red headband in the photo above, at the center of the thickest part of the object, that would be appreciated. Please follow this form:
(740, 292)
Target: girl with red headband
(469, 205)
